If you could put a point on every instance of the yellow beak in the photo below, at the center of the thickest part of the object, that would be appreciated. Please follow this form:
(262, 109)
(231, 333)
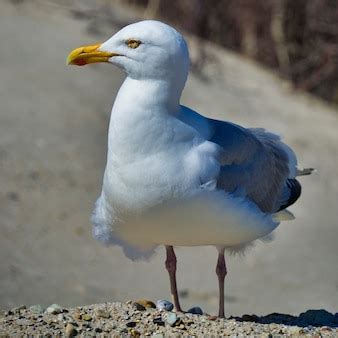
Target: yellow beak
(88, 54)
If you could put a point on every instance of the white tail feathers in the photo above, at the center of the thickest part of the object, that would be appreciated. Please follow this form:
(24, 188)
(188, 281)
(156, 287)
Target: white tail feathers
(305, 171)
(283, 215)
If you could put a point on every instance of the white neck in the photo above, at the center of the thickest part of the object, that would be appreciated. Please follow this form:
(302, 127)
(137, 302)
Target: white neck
(138, 102)
(146, 95)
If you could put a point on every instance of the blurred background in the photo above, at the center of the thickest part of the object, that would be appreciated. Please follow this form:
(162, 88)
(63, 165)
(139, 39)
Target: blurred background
(297, 38)
(271, 64)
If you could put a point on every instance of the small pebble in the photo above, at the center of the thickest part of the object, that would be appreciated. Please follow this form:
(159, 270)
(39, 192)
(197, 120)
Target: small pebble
(77, 315)
(158, 321)
(109, 327)
(87, 317)
(164, 304)
(54, 309)
(294, 330)
(102, 313)
(325, 328)
(36, 309)
(171, 319)
(196, 310)
(146, 303)
(135, 333)
(61, 317)
(131, 324)
(139, 307)
(70, 330)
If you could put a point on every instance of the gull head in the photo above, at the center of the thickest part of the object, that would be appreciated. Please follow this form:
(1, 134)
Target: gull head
(144, 50)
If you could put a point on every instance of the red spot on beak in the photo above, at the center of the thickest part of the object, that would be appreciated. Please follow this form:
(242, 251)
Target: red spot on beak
(80, 62)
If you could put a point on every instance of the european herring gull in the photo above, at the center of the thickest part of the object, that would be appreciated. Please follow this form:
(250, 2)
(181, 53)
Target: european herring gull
(174, 177)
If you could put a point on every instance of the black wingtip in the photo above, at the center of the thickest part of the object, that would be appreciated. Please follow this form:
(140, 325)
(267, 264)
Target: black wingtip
(295, 192)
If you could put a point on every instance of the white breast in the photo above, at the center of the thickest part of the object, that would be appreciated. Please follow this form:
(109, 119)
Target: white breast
(167, 171)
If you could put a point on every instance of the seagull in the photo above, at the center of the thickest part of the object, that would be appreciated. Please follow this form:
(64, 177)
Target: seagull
(177, 178)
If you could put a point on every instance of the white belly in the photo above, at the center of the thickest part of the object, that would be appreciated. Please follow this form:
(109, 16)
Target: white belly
(208, 218)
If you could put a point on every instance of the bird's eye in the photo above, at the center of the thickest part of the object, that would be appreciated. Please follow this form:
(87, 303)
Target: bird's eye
(131, 43)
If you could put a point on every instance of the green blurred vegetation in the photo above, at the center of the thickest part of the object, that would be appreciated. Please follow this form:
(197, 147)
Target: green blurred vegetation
(299, 38)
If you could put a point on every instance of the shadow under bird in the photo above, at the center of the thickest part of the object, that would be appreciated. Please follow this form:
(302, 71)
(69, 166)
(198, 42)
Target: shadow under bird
(174, 177)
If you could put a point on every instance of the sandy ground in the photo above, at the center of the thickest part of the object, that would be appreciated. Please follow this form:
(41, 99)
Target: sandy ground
(53, 126)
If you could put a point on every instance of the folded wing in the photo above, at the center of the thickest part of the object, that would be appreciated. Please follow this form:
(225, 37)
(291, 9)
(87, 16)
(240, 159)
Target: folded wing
(255, 163)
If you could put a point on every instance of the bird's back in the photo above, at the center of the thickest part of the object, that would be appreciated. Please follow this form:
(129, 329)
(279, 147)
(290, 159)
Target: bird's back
(254, 163)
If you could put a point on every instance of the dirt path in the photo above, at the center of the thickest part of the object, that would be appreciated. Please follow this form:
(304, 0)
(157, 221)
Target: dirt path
(53, 125)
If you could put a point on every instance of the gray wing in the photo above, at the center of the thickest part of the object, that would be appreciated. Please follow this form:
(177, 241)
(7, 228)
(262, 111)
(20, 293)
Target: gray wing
(255, 163)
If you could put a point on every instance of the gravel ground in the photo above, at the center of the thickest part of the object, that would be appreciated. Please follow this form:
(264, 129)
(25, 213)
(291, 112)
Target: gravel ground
(141, 318)
(53, 137)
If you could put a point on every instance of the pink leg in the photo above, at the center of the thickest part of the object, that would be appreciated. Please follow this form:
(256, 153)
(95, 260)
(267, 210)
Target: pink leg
(221, 272)
(170, 265)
